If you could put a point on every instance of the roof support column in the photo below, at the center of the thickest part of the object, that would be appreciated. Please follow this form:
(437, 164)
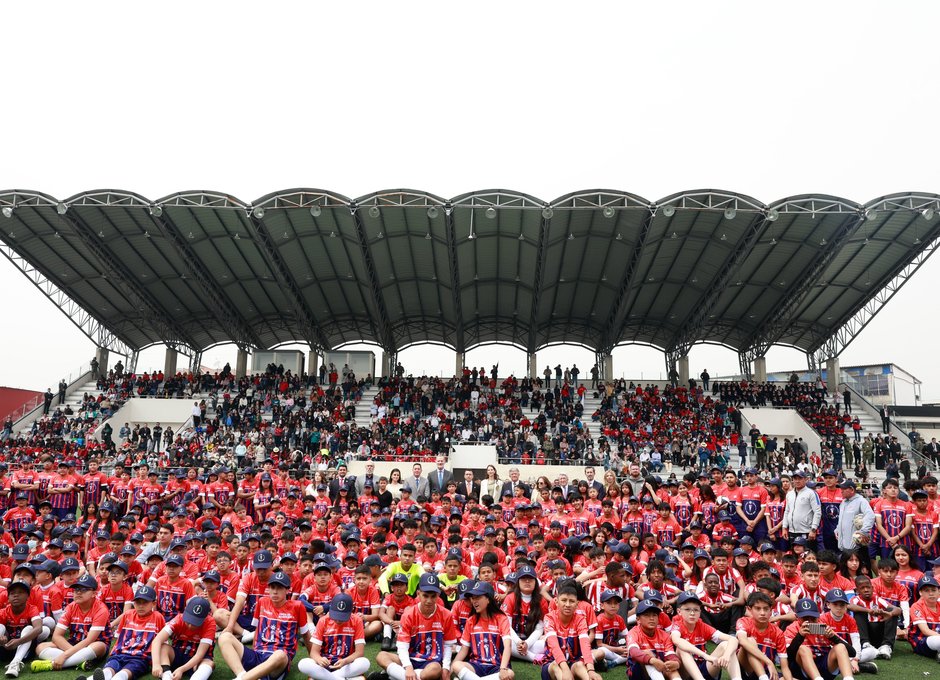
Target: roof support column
(682, 367)
(461, 361)
(241, 363)
(101, 356)
(533, 365)
(313, 362)
(833, 374)
(760, 369)
(169, 363)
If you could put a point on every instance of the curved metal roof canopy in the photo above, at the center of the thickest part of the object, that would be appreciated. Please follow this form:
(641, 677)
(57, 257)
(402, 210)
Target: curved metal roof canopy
(597, 268)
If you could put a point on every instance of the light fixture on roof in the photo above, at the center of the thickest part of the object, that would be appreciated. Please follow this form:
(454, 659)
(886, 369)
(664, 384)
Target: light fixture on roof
(724, 237)
(773, 241)
(674, 236)
(772, 215)
(156, 210)
(823, 242)
(315, 210)
(237, 237)
(433, 212)
(547, 212)
(380, 235)
(374, 211)
(258, 212)
(619, 236)
(285, 236)
(332, 234)
(57, 235)
(571, 237)
(490, 213)
(609, 211)
(521, 236)
(730, 213)
(146, 234)
(928, 214)
(871, 214)
(7, 211)
(61, 208)
(669, 210)
(100, 234)
(427, 237)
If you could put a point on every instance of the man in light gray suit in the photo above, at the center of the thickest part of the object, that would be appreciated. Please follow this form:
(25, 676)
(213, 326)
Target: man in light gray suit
(439, 478)
(368, 478)
(417, 484)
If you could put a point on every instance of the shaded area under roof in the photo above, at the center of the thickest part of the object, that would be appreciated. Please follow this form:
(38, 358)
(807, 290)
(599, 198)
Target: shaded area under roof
(597, 268)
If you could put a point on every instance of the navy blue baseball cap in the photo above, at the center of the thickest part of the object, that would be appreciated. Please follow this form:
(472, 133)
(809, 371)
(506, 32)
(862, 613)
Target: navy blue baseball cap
(262, 560)
(279, 578)
(609, 595)
(429, 583)
(400, 578)
(687, 597)
(646, 606)
(145, 593)
(20, 552)
(176, 560)
(837, 595)
(806, 608)
(341, 607)
(69, 564)
(526, 571)
(86, 581)
(480, 588)
(197, 609)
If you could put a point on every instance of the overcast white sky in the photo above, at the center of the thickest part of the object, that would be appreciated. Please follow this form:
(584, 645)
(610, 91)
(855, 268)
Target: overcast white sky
(767, 99)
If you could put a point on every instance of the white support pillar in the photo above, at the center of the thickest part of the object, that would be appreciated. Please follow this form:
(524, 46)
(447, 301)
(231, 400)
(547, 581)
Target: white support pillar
(533, 366)
(832, 375)
(760, 369)
(459, 363)
(608, 374)
(682, 367)
(169, 365)
(241, 364)
(101, 354)
(313, 363)
(386, 368)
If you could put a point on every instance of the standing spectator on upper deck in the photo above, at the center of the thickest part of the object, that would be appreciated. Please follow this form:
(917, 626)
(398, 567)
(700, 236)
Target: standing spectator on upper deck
(847, 399)
(558, 373)
(548, 376)
(575, 372)
(885, 419)
(47, 401)
(62, 387)
(594, 373)
(705, 378)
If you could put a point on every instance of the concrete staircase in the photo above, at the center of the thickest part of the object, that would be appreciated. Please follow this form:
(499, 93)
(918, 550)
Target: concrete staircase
(74, 400)
(363, 417)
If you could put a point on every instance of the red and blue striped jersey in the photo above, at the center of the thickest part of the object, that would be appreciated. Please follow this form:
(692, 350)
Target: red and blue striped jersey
(253, 589)
(427, 635)
(279, 628)
(172, 597)
(52, 598)
(659, 644)
(78, 623)
(893, 517)
(135, 633)
(770, 641)
(95, 486)
(610, 630)
(337, 639)
(565, 637)
(186, 638)
(365, 603)
(752, 499)
(62, 501)
(485, 638)
(115, 600)
(922, 613)
(15, 623)
(820, 644)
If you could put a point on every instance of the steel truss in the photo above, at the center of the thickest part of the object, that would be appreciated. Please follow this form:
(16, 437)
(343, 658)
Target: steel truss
(311, 330)
(384, 331)
(91, 327)
(540, 255)
(834, 345)
(618, 317)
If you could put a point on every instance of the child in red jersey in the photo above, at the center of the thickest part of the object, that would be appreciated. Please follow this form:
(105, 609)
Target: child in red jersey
(649, 646)
(394, 605)
(20, 625)
(426, 637)
(925, 619)
(815, 654)
(611, 634)
(761, 644)
(134, 634)
(339, 644)
(690, 635)
(193, 639)
(216, 596)
(81, 634)
(281, 624)
(567, 639)
(366, 601)
(173, 591)
(844, 626)
(809, 589)
(486, 642)
(877, 621)
(117, 596)
(887, 587)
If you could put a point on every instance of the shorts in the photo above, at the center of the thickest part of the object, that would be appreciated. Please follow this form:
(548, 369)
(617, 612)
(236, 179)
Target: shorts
(137, 666)
(921, 648)
(181, 657)
(244, 620)
(252, 659)
(484, 669)
(703, 667)
(419, 664)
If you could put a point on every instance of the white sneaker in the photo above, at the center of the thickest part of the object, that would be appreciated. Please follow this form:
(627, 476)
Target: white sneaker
(884, 652)
(13, 669)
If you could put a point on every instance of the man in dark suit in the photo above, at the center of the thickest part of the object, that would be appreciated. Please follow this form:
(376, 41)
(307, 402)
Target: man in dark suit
(885, 419)
(342, 480)
(513, 482)
(469, 488)
(589, 473)
(439, 478)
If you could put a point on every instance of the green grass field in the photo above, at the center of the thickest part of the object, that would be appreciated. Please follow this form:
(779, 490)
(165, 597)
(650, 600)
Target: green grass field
(905, 664)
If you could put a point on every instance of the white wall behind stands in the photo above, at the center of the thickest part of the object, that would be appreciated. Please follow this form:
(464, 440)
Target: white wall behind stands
(361, 363)
(783, 423)
(172, 413)
(292, 361)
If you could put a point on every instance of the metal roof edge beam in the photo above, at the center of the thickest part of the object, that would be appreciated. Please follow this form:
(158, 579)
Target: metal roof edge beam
(450, 227)
(537, 282)
(385, 328)
(314, 335)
